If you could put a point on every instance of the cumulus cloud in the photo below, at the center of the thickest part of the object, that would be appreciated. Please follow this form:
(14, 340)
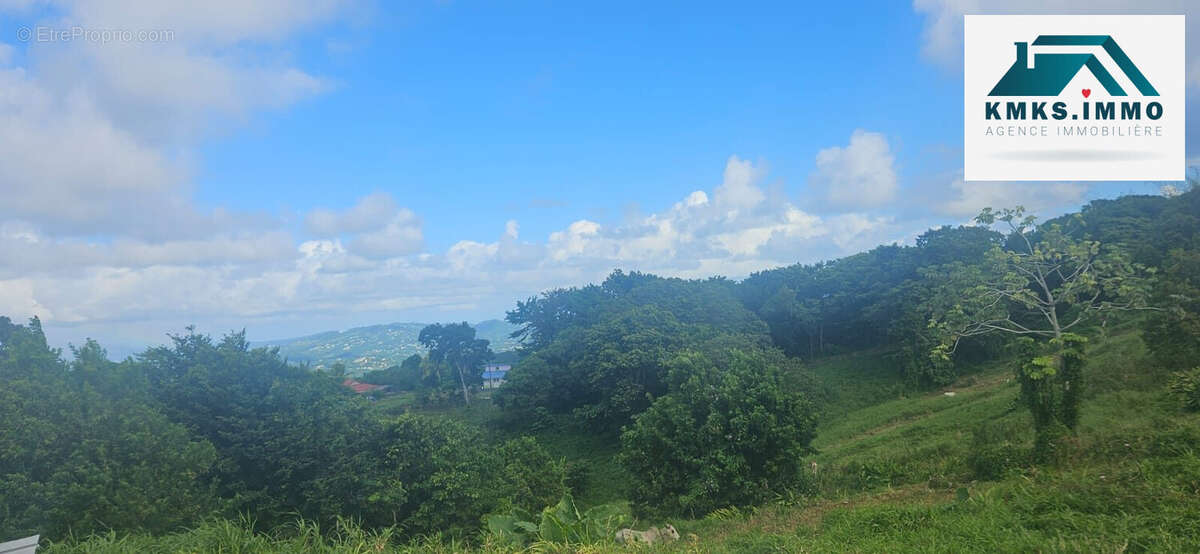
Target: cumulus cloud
(380, 227)
(733, 230)
(943, 32)
(95, 136)
(97, 221)
(857, 176)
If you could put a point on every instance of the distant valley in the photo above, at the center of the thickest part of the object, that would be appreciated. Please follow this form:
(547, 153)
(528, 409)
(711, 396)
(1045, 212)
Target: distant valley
(363, 349)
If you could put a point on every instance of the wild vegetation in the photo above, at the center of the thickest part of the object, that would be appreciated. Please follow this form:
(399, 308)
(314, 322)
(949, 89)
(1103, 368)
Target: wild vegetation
(1033, 388)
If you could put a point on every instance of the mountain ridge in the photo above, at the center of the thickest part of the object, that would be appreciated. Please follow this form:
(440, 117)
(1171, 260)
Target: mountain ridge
(379, 346)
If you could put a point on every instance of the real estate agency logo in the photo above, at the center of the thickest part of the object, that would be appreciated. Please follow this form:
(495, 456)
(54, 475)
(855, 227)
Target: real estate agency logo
(1053, 104)
(1047, 74)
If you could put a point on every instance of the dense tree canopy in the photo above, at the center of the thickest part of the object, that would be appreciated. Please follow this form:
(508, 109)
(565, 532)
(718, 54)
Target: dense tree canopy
(876, 298)
(81, 449)
(612, 367)
(206, 427)
(727, 434)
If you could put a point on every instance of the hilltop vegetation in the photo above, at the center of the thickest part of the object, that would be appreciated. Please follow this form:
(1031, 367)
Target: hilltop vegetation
(804, 408)
(890, 476)
(375, 347)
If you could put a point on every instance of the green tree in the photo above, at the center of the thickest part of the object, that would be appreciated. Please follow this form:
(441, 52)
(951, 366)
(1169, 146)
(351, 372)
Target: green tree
(83, 449)
(290, 440)
(456, 345)
(604, 374)
(444, 473)
(530, 477)
(1173, 335)
(1044, 285)
(726, 434)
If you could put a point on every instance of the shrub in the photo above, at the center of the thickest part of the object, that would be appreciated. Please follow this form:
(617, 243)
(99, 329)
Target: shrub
(579, 476)
(531, 477)
(726, 434)
(561, 523)
(994, 452)
(1185, 385)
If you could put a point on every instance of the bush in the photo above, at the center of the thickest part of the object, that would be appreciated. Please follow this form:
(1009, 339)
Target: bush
(1185, 386)
(994, 452)
(531, 477)
(579, 476)
(725, 435)
(445, 476)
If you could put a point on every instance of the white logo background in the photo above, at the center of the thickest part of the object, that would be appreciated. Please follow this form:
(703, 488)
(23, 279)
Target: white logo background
(1154, 43)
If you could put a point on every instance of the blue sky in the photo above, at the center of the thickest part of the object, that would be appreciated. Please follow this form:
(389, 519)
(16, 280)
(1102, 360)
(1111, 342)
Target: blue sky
(594, 108)
(293, 167)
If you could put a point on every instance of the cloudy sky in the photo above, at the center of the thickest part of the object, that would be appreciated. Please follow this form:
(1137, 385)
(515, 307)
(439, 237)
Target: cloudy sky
(292, 167)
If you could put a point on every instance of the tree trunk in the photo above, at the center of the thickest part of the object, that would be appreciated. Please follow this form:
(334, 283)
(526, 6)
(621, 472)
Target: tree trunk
(461, 379)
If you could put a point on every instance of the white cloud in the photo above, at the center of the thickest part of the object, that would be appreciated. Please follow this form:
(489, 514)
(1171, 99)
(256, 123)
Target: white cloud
(402, 235)
(97, 222)
(966, 198)
(23, 251)
(380, 228)
(857, 176)
(738, 192)
(220, 22)
(372, 212)
(95, 136)
(942, 35)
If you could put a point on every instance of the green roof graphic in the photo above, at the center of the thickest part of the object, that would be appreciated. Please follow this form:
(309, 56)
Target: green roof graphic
(1052, 71)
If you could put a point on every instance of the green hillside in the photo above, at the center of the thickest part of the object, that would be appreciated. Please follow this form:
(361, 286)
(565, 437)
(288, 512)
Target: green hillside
(977, 391)
(899, 476)
(363, 349)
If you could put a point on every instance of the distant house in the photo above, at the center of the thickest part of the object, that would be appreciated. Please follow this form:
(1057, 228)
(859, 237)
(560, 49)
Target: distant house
(494, 374)
(362, 388)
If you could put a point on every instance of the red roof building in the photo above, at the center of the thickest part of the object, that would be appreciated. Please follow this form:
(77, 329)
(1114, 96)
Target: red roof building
(360, 387)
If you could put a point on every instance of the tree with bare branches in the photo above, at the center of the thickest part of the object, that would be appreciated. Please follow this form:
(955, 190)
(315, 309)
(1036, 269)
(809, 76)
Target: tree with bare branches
(1046, 286)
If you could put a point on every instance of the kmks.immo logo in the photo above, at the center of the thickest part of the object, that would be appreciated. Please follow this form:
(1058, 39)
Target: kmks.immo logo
(1073, 97)
(1049, 73)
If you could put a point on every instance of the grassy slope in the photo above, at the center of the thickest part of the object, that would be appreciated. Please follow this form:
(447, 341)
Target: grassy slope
(890, 474)
(892, 468)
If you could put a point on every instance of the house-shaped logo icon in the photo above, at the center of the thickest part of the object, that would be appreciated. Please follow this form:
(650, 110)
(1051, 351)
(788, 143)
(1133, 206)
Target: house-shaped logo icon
(1052, 71)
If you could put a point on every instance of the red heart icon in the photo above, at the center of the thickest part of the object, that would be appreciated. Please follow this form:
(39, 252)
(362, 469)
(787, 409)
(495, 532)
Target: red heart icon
(1087, 92)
